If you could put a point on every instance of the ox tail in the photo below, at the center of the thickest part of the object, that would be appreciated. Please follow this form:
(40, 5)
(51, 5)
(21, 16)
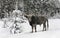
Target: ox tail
(47, 25)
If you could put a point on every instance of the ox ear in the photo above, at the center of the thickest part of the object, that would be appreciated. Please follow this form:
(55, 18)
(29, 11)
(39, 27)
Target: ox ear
(26, 16)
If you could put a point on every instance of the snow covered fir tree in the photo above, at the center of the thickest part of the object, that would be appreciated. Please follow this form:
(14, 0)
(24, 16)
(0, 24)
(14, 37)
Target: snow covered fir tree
(10, 12)
(43, 7)
(16, 18)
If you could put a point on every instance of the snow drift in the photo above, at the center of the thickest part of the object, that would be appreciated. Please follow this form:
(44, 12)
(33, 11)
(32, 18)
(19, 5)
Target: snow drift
(53, 31)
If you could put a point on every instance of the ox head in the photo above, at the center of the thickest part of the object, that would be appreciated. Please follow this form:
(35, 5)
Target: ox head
(28, 17)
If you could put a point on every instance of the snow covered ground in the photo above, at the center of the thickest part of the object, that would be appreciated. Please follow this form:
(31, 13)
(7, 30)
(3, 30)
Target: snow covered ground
(53, 31)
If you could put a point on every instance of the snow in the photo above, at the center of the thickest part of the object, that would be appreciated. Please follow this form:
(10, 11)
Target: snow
(57, 15)
(17, 12)
(52, 32)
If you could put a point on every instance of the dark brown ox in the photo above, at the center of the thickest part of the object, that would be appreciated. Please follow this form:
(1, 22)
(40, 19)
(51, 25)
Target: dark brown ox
(38, 20)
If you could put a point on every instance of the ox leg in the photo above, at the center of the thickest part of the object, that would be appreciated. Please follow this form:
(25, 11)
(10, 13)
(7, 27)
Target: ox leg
(32, 28)
(44, 27)
(35, 29)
